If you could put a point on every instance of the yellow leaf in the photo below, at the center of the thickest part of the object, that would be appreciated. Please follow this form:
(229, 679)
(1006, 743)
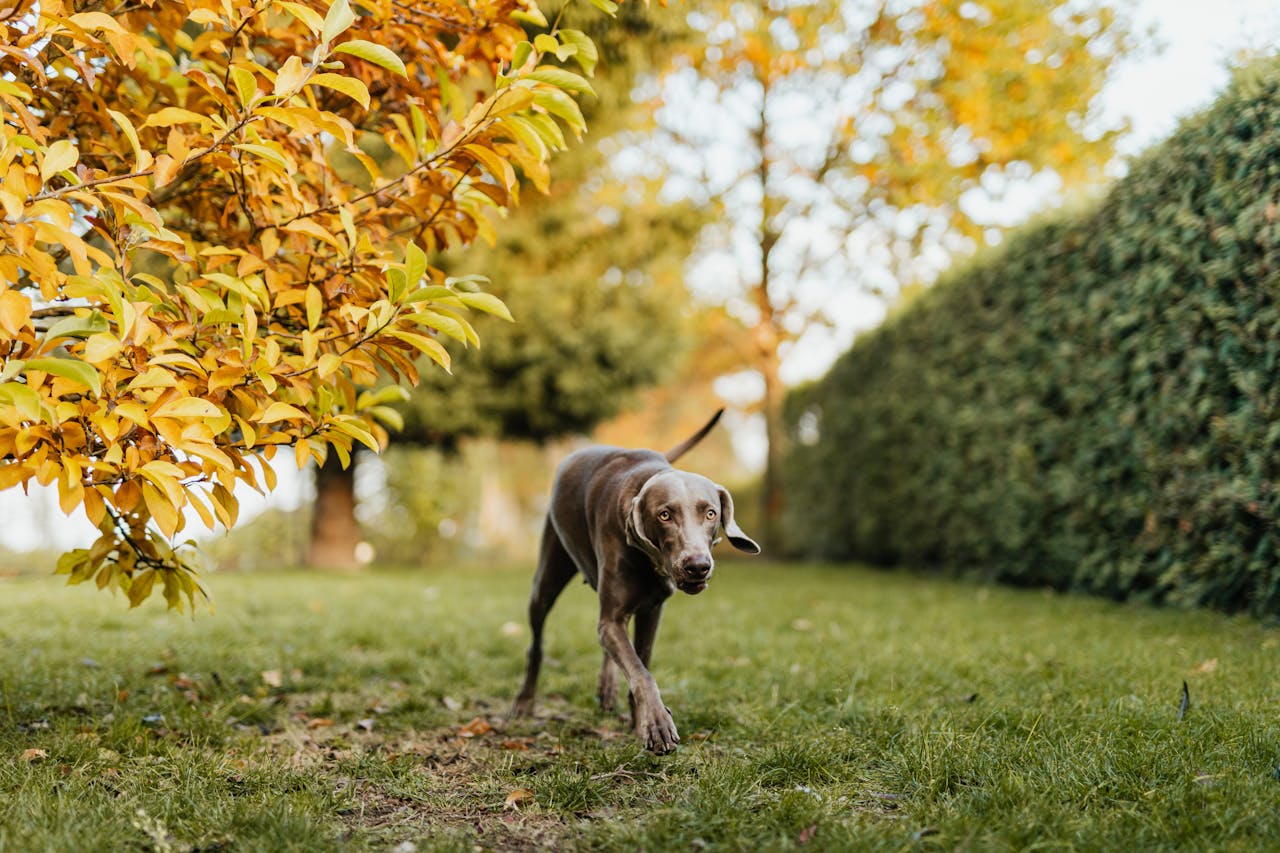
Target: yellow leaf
(328, 365)
(169, 116)
(338, 20)
(349, 86)
(315, 306)
(166, 168)
(129, 131)
(290, 77)
(61, 155)
(196, 501)
(162, 512)
(246, 84)
(279, 411)
(309, 17)
(97, 21)
(15, 311)
(187, 407)
(140, 587)
(101, 347)
(311, 229)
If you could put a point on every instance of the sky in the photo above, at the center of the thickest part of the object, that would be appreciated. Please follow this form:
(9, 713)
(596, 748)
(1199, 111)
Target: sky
(1153, 91)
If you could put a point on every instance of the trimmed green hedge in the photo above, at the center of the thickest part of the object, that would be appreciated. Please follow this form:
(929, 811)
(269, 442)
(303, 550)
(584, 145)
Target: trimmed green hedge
(1092, 405)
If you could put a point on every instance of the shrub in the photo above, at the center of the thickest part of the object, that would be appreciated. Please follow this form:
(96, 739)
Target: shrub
(1091, 404)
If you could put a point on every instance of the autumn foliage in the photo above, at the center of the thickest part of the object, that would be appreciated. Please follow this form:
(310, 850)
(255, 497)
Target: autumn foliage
(219, 220)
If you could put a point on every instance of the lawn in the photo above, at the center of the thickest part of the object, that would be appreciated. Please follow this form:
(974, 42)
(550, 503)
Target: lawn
(830, 708)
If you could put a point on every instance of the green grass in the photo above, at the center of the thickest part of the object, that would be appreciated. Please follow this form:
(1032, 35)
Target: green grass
(824, 707)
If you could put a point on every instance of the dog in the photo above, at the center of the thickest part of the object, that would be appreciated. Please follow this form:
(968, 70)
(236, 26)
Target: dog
(638, 530)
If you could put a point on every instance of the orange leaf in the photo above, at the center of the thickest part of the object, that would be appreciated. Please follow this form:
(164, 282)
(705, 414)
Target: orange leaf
(475, 728)
(516, 797)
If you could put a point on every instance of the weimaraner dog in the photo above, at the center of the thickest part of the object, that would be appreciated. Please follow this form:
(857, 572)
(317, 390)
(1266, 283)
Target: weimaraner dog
(638, 530)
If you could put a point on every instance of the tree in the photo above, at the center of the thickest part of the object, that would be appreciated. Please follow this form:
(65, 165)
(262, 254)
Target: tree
(855, 142)
(593, 272)
(190, 277)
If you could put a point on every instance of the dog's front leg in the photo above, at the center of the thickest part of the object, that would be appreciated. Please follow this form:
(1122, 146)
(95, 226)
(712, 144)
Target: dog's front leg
(652, 720)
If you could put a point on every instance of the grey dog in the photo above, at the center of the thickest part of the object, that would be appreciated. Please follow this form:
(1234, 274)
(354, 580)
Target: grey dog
(638, 530)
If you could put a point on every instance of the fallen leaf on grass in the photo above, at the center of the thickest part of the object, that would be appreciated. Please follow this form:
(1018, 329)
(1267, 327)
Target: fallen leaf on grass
(516, 797)
(29, 755)
(806, 834)
(802, 625)
(271, 677)
(517, 744)
(1207, 665)
(365, 724)
(319, 722)
(475, 728)
(511, 629)
(450, 703)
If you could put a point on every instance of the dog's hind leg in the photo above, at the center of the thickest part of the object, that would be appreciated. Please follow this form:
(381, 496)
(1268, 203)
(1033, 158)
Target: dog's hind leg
(555, 569)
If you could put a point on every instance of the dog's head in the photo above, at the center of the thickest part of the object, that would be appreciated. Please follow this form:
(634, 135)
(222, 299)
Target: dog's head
(675, 519)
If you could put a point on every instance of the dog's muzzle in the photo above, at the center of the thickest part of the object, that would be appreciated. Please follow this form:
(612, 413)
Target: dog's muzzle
(694, 575)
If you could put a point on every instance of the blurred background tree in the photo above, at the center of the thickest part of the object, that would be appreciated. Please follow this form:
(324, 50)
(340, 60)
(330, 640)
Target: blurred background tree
(857, 146)
(593, 272)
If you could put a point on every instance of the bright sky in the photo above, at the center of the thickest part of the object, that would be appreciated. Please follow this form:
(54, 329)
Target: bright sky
(1153, 92)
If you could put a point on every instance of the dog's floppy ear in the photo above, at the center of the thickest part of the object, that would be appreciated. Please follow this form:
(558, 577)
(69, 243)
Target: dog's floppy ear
(737, 538)
(635, 529)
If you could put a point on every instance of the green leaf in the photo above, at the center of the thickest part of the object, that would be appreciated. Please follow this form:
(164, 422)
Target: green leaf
(586, 55)
(381, 396)
(377, 54)
(266, 153)
(522, 53)
(488, 303)
(545, 43)
(607, 6)
(388, 417)
(560, 78)
(415, 264)
(562, 106)
(246, 84)
(530, 16)
(69, 368)
(22, 398)
(78, 327)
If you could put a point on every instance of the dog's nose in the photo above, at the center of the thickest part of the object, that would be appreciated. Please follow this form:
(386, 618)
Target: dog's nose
(698, 568)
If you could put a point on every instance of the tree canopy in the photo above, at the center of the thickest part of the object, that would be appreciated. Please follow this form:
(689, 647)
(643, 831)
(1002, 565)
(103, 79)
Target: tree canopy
(851, 141)
(192, 273)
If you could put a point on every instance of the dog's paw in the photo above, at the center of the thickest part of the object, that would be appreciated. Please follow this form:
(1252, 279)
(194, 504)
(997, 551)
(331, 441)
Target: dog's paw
(656, 729)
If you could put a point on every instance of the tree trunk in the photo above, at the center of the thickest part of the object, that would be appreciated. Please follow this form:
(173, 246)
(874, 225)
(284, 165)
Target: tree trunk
(768, 336)
(334, 530)
(771, 493)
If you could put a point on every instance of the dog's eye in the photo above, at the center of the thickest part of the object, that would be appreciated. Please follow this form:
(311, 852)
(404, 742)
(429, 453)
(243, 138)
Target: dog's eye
(665, 515)
(711, 514)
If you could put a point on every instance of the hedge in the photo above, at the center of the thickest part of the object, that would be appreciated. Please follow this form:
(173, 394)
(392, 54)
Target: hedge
(1090, 405)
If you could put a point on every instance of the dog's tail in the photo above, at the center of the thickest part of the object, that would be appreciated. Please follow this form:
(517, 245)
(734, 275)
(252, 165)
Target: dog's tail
(685, 446)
